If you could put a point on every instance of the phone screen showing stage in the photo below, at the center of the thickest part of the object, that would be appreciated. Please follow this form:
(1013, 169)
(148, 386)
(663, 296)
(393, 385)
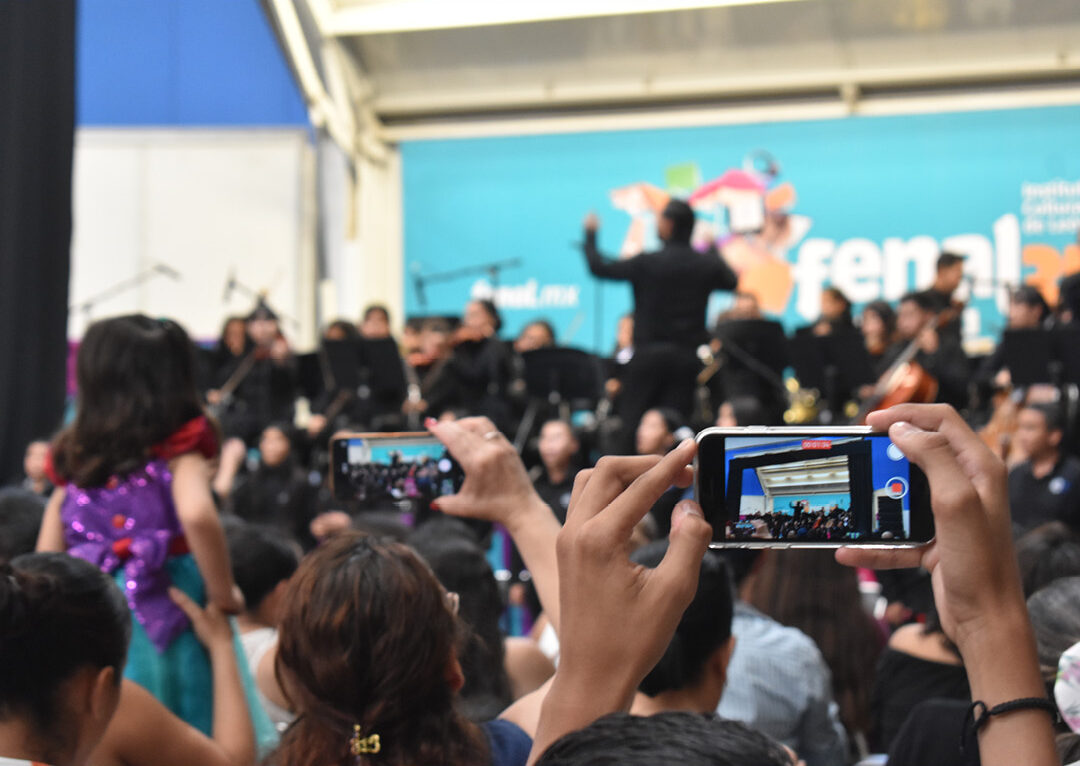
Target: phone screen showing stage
(399, 473)
(812, 489)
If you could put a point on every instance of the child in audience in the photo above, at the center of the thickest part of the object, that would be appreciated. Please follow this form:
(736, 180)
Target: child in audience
(62, 700)
(134, 499)
(262, 563)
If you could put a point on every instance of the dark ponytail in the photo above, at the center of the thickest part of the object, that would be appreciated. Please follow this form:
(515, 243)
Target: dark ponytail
(57, 614)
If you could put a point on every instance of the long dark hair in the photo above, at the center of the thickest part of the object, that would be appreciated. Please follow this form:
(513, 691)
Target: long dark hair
(136, 379)
(366, 640)
(452, 552)
(808, 590)
(59, 614)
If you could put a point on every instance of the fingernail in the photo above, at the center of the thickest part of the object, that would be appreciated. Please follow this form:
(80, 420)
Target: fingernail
(903, 428)
(685, 442)
(435, 505)
(429, 422)
(687, 508)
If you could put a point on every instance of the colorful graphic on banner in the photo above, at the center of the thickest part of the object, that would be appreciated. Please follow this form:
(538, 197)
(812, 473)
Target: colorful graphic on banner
(865, 204)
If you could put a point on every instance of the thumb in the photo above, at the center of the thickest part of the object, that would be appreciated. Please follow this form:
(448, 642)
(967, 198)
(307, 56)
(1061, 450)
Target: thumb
(689, 539)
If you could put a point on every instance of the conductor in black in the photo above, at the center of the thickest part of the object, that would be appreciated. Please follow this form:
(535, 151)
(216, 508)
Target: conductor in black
(671, 293)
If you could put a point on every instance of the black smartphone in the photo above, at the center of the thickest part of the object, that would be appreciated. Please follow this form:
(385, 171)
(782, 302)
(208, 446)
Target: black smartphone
(806, 487)
(403, 472)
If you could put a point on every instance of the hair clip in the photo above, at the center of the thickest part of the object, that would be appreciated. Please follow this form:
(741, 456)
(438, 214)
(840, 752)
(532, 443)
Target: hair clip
(360, 745)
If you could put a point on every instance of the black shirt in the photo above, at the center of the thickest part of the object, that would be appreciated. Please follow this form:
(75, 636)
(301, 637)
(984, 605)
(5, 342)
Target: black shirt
(1054, 497)
(671, 289)
(557, 496)
(902, 682)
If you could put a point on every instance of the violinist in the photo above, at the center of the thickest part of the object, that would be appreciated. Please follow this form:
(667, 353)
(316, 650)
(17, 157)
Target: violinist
(262, 389)
(940, 295)
(937, 352)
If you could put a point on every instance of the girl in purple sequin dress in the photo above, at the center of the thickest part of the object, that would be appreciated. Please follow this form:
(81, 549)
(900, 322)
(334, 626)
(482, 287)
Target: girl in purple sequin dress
(134, 499)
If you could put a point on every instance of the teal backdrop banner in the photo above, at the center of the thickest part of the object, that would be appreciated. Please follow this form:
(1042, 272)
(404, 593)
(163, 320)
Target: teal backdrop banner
(862, 203)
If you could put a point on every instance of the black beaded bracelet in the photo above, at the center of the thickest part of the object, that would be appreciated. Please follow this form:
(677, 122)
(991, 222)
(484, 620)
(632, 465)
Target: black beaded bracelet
(975, 720)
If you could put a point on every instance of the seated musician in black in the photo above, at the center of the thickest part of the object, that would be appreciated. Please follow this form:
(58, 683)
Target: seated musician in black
(553, 479)
(939, 296)
(938, 353)
(1027, 311)
(478, 376)
(263, 383)
(1046, 486)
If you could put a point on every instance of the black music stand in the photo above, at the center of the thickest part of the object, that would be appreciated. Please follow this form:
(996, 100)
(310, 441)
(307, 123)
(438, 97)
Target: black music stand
(1037, 357)
(755, 354)
(563, 378)
(836, 365)
(310, 376)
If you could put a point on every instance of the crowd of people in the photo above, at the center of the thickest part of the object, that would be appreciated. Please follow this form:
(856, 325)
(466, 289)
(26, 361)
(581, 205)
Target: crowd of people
(833, 523)
(178, 584)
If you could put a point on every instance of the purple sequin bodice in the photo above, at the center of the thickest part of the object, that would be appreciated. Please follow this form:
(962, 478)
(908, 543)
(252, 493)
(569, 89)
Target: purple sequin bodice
(131, 523)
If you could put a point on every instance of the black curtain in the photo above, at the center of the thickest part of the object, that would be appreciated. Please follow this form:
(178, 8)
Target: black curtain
(37, 131)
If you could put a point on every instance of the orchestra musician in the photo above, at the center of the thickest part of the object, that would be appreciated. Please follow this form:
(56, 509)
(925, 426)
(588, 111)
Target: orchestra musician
(262, 387)
(671, 293)
(835, 313)
(939, 354)
(878, 326)
(948, 277)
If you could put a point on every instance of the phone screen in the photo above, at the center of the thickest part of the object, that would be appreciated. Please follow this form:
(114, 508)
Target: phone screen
(811, 488)
(387, 473)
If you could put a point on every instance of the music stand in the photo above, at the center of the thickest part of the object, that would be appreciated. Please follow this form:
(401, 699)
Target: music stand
(310, 376)
(565, 378)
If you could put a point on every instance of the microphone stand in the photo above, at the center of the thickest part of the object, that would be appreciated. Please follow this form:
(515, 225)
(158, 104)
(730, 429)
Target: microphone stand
(123, 286)
(236, 284)
(492, 269)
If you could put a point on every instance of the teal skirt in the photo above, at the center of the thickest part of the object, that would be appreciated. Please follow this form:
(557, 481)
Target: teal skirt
(180, 677)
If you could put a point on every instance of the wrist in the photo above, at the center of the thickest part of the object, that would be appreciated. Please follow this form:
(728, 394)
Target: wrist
(523, 513)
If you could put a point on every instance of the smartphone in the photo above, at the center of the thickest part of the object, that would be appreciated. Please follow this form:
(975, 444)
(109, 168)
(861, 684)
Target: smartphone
(806, 487)
(402, 472)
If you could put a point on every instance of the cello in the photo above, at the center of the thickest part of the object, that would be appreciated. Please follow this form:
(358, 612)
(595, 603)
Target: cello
(906, 381)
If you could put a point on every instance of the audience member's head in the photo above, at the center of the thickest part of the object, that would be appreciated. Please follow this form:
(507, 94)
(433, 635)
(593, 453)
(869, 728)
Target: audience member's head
(275, 445)
(536, 334)
(20, 519)
(558, 445)
(262, 563)
(1055, 621)
(742, 411)
(63, 645)
(656, 431)
(376, 322)
(665, 739)
(696, 660)
(676, 223)
(452, 552)
(1047, 553)
(482, 316)
(1027, 308)
(136, 379)
(35, 459)
(1039, 430)
(368, 638)
(808, 590)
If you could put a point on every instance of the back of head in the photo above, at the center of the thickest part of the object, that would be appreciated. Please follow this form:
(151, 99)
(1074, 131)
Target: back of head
(686, 739)
(59, 614)
(367, 639)
(458, 561)
(260, 560)
(20, 519)
(1047, 553)
(705, 625)
(681, 216)
(136, 379)
(1055, 620)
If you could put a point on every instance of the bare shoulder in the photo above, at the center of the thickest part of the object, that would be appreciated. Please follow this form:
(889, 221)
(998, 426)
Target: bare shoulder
(914, 640)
